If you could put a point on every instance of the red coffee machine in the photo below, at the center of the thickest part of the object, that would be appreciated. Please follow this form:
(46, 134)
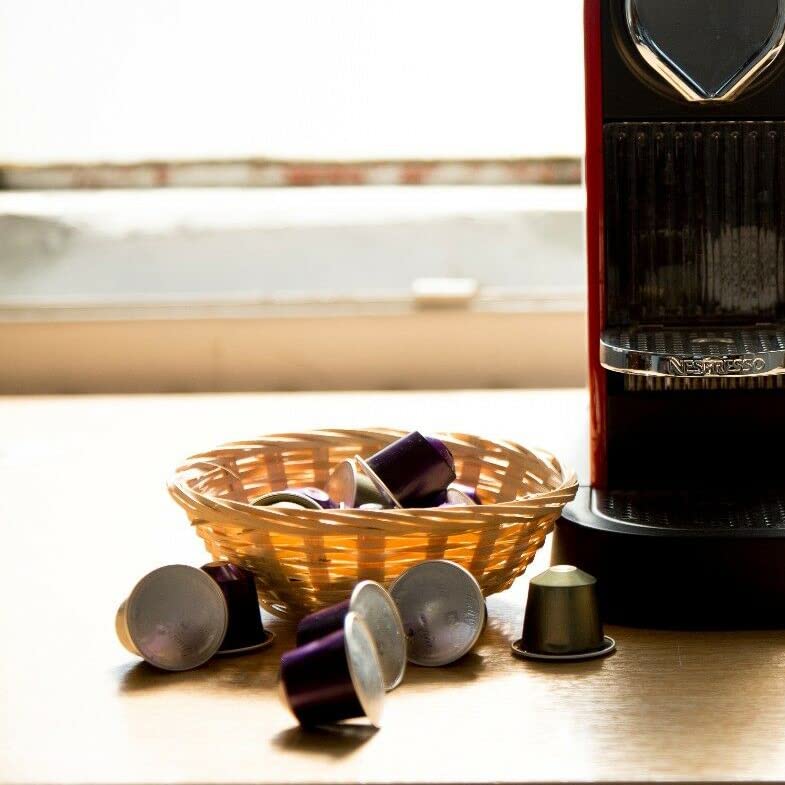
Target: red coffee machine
(684, 521)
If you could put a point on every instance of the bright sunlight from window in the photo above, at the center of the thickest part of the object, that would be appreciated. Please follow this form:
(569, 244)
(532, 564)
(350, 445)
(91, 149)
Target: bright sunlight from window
(328, 79)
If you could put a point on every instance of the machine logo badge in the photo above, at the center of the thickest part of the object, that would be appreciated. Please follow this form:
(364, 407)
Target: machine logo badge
(707, 50)
(715, 366)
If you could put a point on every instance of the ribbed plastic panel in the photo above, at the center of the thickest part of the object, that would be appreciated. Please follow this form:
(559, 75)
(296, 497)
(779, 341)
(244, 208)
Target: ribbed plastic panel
(636, 383)
(695, 222)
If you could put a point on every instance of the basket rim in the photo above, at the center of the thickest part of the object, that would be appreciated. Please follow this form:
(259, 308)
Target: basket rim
(180, 485)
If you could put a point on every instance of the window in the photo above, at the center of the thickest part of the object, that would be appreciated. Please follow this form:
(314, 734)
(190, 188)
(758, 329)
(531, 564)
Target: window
(211, 284)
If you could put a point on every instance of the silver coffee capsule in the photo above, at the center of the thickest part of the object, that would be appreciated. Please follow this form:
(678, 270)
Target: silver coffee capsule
(467, 490)
(456, 497)
(352, 488)
(175, 618)
(562, 620)
(442, 609)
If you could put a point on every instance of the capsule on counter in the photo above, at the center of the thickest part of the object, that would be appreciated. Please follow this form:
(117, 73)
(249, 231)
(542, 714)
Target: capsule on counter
(245, 631)
(410, 469)
(376, 608)
(562, 620)
(442, 609)
(338, 677)
(175, 618)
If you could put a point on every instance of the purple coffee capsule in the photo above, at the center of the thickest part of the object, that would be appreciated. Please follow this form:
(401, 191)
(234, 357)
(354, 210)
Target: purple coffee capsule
(335, 678)
(245, 632)
(375, 607)
(438, 499)
(412, 468)
(352, 488)
(308, 498)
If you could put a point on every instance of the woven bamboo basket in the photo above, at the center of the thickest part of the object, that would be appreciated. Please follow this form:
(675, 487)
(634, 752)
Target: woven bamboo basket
(307, 559)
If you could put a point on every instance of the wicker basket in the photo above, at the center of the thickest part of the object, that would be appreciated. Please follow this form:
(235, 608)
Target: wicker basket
(306, 559)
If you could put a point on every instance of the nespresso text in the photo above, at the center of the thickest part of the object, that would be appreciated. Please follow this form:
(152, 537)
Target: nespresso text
(715, 366)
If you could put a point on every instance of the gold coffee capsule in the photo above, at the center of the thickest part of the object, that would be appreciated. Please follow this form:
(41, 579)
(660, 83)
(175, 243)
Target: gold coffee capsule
(562, 619)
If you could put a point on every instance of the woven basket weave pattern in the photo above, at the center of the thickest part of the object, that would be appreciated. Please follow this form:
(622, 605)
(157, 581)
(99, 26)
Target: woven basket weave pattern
(306, 559)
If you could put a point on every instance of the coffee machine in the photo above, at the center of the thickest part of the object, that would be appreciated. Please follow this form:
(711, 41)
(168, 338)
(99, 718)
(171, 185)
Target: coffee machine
(683, 523)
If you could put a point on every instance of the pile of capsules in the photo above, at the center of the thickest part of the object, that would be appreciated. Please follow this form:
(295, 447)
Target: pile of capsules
(413, 471)
(349, 655)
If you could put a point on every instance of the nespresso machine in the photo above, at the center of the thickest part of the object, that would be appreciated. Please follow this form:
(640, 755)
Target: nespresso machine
(684, 521)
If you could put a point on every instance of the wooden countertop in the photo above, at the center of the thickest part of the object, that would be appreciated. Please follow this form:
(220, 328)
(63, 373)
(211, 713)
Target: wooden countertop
(85, 514)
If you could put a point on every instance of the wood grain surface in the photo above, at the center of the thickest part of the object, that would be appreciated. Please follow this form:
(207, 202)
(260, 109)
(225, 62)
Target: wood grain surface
(85, 514)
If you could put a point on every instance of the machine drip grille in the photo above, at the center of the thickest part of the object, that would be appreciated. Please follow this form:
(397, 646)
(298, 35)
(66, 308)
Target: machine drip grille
(695, 352)
(638, 383)
(698, 510)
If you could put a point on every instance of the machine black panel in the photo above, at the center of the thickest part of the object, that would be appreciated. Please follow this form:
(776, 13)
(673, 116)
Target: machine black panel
(732, 30)
(695, 216)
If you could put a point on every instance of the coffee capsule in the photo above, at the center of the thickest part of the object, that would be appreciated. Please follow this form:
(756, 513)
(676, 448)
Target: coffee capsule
(438, 499)
(376, 608)
(308, 498)
(352, 488)
(245, 632)
(335, 678)
(463, 491)
(457, 497)
(175, 618)
(562, 618)
(412, 468)
(442, 609)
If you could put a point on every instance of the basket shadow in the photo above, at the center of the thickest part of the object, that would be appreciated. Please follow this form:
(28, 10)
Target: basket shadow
(335, 741)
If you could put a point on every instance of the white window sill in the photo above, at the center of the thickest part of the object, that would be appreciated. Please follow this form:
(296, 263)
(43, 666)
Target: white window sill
(212, 289)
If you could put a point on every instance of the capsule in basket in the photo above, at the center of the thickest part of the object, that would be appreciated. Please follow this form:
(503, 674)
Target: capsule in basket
(411, 469)
(307, 498)
(460, 493)
(353, 488)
